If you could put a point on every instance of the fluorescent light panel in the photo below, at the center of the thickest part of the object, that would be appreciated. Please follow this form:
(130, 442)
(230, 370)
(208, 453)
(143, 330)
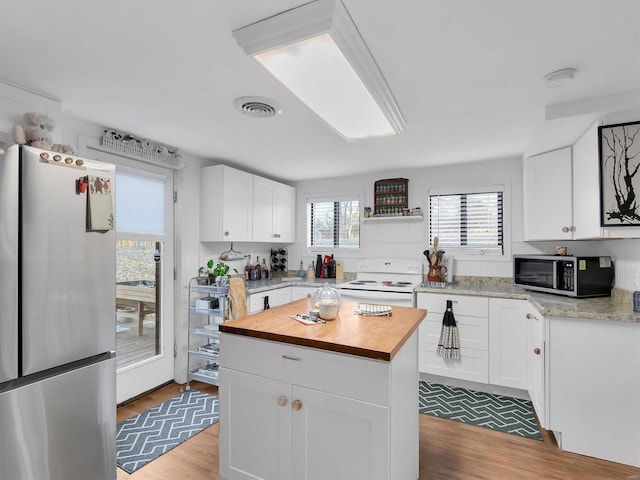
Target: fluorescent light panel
(317, 53)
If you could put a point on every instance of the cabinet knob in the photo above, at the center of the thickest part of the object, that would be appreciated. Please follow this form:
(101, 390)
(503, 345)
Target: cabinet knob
(282, 401)
(226, 233)
(296, 405)
(565, 229)
(536, 351)
(531, 317)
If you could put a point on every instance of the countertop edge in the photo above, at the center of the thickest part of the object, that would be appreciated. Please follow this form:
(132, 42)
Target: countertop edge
(306, 342)
(547, 304)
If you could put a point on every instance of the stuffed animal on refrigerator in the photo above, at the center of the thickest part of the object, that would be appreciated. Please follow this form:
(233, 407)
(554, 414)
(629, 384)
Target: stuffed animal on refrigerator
(36, 134)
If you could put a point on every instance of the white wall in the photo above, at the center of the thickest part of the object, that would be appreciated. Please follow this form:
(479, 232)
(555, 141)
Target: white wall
(408, 240)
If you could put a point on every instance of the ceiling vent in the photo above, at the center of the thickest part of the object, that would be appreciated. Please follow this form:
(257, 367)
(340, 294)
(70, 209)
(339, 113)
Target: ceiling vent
(258, 107)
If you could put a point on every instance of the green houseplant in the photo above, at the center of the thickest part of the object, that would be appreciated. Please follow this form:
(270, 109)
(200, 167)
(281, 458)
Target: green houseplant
(220, 270)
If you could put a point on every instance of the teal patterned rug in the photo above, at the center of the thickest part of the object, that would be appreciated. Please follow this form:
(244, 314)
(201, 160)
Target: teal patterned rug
(496, 412)
(144, 437)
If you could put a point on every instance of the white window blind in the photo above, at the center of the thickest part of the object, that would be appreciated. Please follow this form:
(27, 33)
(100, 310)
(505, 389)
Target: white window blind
(140, 203)
(467, 222)
(333, 223)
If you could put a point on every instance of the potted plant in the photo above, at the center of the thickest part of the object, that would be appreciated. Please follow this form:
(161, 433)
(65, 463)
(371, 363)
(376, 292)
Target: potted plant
(218, 274)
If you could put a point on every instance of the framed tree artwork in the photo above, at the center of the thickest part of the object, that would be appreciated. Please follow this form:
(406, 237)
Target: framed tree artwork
(619, 147)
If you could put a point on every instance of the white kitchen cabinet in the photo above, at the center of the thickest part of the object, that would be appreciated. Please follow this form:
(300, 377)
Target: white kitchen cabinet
(471, 314)
(536, 366)
(508, 343)
(276, 296)
(547, 196)
(286, 412)
(226, 202)
(594, 387)
(302, 292)
(586, 186)
(273, 211)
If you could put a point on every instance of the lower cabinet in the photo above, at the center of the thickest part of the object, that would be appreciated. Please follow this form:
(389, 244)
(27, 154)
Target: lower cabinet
(298, 293)
(508, 350)
(536, 371)
(594, 387)
(471, 314)
(289, 412)
(274, 297)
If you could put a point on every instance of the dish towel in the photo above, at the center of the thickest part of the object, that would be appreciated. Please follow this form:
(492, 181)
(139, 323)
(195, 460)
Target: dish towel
(449, 344)
(99, 205)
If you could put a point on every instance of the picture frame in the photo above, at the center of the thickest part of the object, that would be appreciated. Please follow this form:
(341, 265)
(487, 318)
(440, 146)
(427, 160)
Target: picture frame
(619, 157)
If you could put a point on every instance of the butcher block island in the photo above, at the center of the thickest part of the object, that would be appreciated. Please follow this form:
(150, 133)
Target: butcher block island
(334, 400)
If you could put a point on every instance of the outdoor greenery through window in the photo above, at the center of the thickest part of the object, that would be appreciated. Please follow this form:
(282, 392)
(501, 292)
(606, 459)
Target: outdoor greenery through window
(467, 222)
(333, 223)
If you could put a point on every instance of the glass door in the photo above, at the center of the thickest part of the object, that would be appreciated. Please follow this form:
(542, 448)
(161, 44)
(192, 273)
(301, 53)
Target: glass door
(144, 279)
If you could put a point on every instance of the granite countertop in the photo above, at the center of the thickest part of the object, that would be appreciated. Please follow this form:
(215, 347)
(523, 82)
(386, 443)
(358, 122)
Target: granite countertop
(258, 286)
(600, 308)
(379, 338)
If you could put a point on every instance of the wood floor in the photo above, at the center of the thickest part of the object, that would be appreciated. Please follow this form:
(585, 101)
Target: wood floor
(448, 451)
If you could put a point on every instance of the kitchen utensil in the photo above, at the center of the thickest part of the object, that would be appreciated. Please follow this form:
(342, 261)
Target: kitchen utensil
(435, 249)
(439, 255)
(426, 254)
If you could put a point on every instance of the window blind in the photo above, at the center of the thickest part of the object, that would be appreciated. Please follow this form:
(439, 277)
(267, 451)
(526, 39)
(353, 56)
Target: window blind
(468, 222)
(333, 223)
(140, 203)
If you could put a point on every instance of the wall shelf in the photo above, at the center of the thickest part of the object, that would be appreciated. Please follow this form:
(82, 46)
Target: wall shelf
(399, 219)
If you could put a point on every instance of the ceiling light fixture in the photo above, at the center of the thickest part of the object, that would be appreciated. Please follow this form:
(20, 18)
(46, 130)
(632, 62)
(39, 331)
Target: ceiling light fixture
(559, 78)
(316, 51)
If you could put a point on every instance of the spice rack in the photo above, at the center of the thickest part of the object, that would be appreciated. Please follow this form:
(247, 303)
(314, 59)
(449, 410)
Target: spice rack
(391, 197)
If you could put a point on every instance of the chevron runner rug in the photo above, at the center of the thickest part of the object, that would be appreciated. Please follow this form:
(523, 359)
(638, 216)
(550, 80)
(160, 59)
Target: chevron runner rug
(496, 412)
(144, 437)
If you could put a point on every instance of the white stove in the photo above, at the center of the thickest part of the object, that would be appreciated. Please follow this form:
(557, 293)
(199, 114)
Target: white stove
(385, 281)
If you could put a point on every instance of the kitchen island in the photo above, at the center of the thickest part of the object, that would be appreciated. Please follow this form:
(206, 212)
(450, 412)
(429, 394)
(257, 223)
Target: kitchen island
(328, 400)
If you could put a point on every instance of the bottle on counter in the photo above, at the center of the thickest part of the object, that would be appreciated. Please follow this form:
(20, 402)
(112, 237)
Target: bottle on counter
(311, 272)
(331, 268)
(258, 269)
(247, 268)
(265, 270)
(319, 266)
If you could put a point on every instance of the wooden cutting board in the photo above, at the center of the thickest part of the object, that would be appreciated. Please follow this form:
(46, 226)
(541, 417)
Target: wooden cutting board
(237, 297)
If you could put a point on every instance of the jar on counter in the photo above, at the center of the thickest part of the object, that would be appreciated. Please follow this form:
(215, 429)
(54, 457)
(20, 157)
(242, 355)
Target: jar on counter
(327, 301)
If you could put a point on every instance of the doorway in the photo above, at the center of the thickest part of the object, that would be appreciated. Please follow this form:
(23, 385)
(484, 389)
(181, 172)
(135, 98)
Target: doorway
(144, 279)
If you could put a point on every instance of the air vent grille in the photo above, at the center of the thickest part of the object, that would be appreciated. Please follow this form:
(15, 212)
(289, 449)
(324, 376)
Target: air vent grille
(257, 107)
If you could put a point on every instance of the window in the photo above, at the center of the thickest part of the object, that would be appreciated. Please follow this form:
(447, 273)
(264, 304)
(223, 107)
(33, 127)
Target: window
(470, 222)
(333, 223)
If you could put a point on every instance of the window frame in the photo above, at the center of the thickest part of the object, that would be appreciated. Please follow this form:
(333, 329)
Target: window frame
(475, 253)
(332, 198)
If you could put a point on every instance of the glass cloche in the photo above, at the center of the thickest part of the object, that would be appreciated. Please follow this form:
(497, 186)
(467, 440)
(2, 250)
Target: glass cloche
(327, 300)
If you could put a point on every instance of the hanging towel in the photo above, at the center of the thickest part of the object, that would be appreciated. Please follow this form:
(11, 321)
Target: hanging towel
(449, 344)
(99, 205)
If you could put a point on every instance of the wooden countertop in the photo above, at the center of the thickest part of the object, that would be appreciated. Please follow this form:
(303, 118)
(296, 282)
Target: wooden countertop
(373, 337)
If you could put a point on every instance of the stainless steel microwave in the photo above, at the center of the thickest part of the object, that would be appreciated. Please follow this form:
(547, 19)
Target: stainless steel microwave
(564, 275)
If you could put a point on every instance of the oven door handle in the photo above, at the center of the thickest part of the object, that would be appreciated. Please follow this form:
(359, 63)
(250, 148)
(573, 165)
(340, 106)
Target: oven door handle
(379, 297)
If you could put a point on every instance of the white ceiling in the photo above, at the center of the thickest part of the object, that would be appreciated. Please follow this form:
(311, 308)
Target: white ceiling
(467, 75)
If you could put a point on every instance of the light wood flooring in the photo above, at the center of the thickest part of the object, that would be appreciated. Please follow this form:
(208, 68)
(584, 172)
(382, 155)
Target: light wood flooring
(448, 451)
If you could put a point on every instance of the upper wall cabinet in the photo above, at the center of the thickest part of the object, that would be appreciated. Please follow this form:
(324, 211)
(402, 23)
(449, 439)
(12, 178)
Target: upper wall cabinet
(239, 206)
(548, 196)
(273, 211)
(562, 194)
(226, 201)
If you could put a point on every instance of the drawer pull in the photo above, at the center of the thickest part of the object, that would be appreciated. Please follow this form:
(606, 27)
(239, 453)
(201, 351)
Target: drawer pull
(289, 357)
(296, 405)
(282, 401)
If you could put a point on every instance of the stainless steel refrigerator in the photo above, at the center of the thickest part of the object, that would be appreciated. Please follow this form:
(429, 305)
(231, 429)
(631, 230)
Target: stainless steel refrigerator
(57, 318)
